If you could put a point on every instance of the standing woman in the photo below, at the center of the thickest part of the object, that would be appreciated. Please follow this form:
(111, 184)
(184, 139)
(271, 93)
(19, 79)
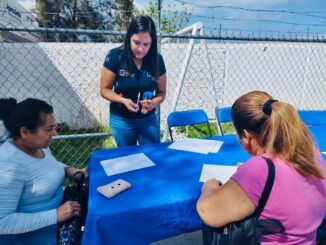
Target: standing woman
(133, 79)
(30, 177)
(269, 128)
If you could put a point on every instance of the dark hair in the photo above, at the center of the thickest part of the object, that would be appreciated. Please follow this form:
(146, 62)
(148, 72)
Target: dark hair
(142, 23)
(29, 113)
(278, 128)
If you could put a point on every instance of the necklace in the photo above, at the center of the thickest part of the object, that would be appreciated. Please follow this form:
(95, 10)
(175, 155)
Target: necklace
(138, 64)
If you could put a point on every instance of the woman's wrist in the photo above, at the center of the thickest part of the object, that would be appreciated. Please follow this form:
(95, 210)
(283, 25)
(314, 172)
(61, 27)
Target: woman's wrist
(123, 100)
(157, 101)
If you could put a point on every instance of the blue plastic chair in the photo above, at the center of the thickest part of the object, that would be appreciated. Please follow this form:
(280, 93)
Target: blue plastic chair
(187, 118)
(223, 115)
(313, 117)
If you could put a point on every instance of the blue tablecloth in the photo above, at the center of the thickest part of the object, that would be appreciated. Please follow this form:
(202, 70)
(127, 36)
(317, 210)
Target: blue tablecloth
(319, 135)
(162, 200)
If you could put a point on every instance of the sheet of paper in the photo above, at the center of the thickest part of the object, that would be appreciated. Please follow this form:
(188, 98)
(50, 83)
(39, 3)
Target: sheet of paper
(219, 172)
(216, 147)
(197, 145)
(324, 152)
(126, 163)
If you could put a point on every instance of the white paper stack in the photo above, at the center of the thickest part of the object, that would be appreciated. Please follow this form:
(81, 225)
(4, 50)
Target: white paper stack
(219, 172)
(126, 163)
(197, 145)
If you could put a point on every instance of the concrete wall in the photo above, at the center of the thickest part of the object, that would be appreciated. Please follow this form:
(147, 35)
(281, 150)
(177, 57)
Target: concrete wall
(67, 76)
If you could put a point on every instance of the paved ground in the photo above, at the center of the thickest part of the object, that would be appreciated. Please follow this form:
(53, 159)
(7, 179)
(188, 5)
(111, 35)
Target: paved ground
(193, 238)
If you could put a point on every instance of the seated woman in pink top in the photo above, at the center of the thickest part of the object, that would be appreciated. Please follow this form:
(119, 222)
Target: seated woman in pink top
(273, 129)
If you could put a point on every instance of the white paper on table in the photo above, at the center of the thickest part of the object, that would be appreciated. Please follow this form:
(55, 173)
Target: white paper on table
(219, 172)
(197, 145)
(216, 147)
(126, 164)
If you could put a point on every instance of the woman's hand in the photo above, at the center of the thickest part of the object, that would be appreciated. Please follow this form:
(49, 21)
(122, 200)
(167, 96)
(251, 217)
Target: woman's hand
(71, 171)
(148, 105)
(131, 106)
(68, 210)
(210, 186)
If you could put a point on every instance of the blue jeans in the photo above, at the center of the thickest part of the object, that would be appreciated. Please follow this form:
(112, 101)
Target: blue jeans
(127, 131)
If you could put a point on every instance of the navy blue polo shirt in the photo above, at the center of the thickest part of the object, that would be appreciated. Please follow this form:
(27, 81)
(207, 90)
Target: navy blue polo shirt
(128, 85)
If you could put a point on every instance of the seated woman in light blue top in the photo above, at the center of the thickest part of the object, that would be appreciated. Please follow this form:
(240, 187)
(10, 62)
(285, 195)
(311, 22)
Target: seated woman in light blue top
(30, 177)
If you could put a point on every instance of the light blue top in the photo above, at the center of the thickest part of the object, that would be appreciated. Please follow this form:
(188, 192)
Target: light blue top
(30, 193)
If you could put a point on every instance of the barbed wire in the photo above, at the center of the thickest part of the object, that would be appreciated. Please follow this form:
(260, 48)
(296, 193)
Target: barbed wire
(99, 18)
(262, 31)
(250, 10)
(258, 20)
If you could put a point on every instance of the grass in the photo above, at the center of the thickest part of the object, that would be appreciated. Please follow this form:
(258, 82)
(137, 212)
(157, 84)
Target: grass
(76, 151)
(201, 130)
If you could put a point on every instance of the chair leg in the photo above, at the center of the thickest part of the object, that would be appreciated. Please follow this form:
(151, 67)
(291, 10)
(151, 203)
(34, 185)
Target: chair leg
(170, 130)
(221, 129)
(209, 129)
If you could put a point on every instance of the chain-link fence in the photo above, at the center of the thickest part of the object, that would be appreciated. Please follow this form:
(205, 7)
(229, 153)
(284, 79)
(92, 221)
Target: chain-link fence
(202, 71)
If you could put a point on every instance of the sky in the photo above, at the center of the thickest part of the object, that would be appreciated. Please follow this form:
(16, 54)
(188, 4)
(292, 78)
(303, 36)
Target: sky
(265, 16)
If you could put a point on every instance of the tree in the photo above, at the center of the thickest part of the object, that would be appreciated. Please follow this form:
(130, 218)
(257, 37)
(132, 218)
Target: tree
(171, 22)
(100, 14)
(73, 14)
(125, 12)
(48, 12)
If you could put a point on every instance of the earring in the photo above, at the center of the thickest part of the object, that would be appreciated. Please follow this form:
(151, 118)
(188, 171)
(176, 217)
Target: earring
(245, 141)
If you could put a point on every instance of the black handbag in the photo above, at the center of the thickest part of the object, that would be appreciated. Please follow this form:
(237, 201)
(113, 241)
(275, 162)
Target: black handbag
(69, 232)
(249, 230)
(321, 233)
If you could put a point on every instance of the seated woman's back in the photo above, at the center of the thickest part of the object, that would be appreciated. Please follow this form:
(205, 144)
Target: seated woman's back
(271, 128)
(296, 201)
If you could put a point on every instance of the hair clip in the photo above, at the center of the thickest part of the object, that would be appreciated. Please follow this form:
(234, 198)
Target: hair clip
(267, 107)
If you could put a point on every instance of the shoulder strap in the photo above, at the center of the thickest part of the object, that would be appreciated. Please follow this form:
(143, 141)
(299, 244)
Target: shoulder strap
(267, 189)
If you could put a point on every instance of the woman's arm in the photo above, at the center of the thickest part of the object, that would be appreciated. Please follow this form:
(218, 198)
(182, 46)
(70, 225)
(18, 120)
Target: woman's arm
(106, 90)
(160, 96)
(220, 206)
(11, 221)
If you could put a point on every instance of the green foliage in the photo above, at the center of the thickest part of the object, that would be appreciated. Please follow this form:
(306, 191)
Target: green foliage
(48, 12)
(73, 14)
(201, 130)
(76, 151)
(124, 14)
(196, 131)
(228, 128)
(171, 22)
(102, 15)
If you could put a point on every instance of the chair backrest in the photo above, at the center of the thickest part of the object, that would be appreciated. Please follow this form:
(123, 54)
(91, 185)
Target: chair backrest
(223, 115)
(313, 117)
(187, 118)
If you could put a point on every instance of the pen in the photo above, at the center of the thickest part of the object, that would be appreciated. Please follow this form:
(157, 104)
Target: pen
(138, 98)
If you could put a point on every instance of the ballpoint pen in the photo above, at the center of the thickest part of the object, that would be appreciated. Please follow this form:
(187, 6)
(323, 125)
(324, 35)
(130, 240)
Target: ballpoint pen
(138, 97)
